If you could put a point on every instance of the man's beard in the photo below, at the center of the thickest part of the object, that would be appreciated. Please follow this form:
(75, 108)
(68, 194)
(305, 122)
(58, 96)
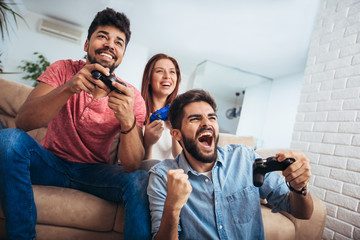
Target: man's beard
(93, 60)
(193, 149)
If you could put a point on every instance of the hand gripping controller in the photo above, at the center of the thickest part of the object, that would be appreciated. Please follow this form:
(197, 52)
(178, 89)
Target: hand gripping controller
(262, 166)
(160, 114)
(107, 80)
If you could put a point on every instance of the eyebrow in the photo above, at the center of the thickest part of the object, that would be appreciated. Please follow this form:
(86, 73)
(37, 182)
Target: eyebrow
(199, 115)
(106, 33)
(163, 68)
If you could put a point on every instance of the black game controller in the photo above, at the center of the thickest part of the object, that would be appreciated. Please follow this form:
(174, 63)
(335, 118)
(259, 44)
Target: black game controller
(160, 114)
(262, 166)
(107, 80)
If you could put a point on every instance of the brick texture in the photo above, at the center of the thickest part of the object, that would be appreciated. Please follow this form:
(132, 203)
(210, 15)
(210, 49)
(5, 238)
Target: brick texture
(327, 127)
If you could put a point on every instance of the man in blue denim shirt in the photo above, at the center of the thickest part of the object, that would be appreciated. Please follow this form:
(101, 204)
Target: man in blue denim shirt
(207, 192)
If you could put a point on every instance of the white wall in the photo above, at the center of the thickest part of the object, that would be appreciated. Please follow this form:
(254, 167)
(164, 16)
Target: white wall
(281, 112)
(327, 126)
(253, 113)
(132, 67)
(223, 82)
(25, 40)
(269, 107)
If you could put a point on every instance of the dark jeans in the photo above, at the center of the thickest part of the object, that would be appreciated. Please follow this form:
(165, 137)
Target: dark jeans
(24, 162)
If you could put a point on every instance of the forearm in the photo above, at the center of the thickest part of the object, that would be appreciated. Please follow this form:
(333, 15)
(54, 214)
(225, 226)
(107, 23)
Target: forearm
(131, 150)
(148, 150)
(38, 110)
(301, 206)
(178, 192)
(169, 225)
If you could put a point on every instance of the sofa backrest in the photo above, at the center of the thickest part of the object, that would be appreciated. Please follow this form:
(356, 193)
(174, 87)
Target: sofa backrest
(227, 138)
(12, 97)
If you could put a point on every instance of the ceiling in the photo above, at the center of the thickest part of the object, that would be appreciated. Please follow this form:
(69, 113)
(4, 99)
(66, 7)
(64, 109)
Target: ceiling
(270, 38)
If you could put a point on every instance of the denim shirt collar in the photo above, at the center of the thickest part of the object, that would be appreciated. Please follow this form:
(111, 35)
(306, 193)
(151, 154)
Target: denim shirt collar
(184, 164)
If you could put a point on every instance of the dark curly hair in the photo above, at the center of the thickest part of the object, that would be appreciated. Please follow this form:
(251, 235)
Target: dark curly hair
(176, 110)
(109, 17)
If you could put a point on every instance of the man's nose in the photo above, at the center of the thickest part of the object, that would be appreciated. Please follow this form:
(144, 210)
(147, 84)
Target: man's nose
(110, 44)
(205, 122)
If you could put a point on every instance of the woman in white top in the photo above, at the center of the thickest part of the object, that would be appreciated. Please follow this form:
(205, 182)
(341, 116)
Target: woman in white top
(160, 85)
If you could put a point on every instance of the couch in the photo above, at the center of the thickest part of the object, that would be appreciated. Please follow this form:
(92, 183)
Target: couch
(71, 214)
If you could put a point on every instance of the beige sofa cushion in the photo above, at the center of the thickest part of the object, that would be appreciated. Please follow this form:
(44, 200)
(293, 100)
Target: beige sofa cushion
(268, 152)
(12, 96)
(312, 227)
(51, 232)
(226, 139)
(78, 215)
(276, 225)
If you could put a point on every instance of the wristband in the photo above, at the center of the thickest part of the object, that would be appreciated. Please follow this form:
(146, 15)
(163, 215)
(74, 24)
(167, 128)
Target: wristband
(303, 191)
(132, 127)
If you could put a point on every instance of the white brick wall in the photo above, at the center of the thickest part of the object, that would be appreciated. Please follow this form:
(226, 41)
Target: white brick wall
(327, 124)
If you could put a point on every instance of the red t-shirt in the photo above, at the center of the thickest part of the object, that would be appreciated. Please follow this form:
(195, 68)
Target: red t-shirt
(84, 128)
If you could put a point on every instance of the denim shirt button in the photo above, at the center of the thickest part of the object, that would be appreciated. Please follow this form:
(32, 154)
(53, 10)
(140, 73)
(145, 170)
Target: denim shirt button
(220, 227)
(206, 180)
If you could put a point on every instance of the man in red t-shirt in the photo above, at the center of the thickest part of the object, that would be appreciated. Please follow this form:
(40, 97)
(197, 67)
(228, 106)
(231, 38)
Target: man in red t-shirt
(83, 115)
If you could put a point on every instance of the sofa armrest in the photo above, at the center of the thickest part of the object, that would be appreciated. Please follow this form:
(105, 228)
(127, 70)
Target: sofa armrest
(12, 96)
(305, 229)
(268, 152)
(276, 225)
(312, 228)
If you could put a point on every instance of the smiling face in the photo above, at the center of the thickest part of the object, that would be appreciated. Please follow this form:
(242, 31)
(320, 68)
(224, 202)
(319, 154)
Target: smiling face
(106, 47)
(199, 133)
(163, 78)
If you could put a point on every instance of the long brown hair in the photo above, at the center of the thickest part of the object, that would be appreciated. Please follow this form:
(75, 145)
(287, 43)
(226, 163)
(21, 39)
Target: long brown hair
(146, 90)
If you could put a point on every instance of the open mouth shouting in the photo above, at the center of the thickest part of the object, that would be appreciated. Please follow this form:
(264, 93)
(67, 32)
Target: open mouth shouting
(206, 139)
(203, 147)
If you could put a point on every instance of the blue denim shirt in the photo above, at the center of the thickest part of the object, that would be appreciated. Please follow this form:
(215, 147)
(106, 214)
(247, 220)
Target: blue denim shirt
(226, 207)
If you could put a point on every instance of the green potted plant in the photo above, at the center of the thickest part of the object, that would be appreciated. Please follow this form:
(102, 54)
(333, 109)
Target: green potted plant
(34, 69)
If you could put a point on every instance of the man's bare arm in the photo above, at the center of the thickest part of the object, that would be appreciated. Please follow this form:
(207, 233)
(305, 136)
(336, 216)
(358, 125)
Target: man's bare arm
(42, 105)
(131, 148)
(301, 206)
(169, 224)
(45, 101)
(179, 190)
(298, 175)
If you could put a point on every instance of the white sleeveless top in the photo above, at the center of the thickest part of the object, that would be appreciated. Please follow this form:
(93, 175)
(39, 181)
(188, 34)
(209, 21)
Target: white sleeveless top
(162, 149)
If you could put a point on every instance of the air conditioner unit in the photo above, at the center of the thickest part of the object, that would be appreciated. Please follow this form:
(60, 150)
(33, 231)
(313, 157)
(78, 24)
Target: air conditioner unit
(60, 30)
